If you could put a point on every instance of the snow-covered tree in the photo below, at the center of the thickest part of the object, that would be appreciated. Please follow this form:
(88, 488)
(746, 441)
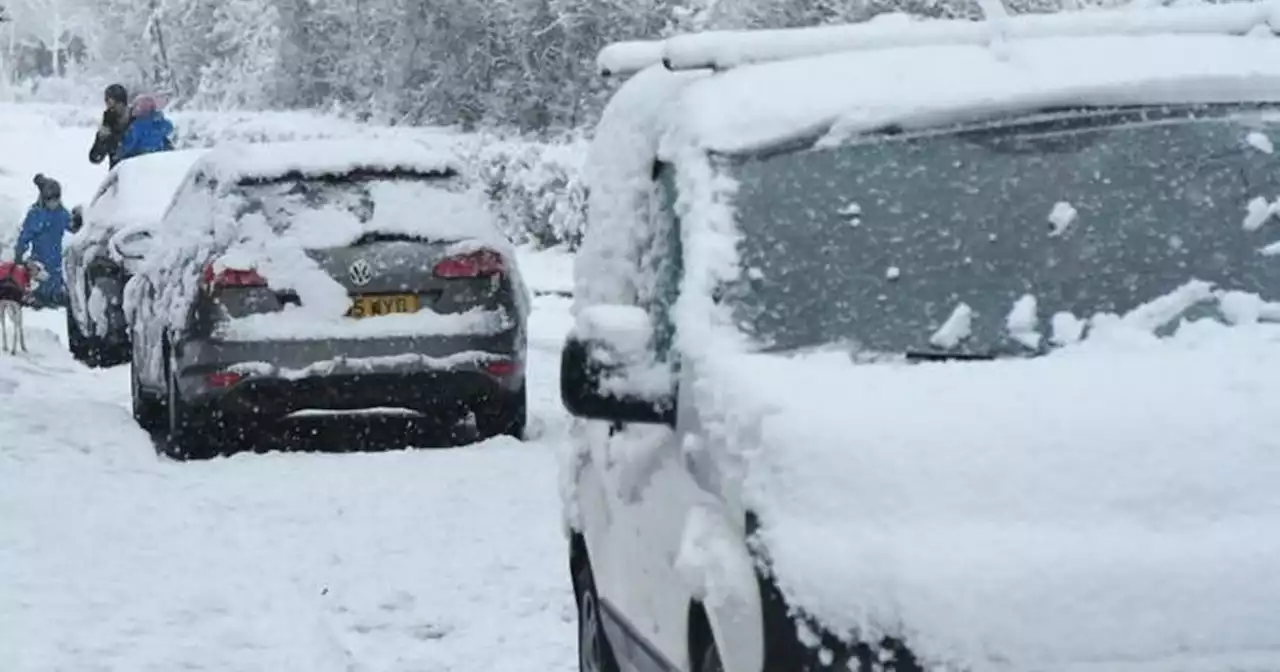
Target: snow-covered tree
(50, 24)
(527, 64)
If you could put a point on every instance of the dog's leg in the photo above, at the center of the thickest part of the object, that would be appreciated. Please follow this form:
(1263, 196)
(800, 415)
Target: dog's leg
(4, 326)
(22, 332)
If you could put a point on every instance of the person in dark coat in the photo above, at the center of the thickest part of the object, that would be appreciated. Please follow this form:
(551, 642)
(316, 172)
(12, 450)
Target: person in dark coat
(42, 230)
(115, 121)
(148, 132)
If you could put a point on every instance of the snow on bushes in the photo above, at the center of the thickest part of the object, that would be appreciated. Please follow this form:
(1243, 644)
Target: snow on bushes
(533, 187)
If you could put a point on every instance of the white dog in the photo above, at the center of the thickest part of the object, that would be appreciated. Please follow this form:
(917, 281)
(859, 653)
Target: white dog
(12, 295)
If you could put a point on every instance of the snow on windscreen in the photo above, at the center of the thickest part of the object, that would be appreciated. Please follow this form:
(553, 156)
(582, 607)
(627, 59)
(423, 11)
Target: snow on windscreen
(1060, 217)
(1152, 193)
(955, 329)
(1260, 142)
(321, 214)
(1098, 497)
(281, 220)
(1257, 211)
(1023, 323)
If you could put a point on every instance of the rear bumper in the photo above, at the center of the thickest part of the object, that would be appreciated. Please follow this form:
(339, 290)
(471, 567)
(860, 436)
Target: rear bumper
(425, 374)
(444, 395)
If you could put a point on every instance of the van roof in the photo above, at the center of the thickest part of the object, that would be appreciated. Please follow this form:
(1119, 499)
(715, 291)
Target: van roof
(769, 86)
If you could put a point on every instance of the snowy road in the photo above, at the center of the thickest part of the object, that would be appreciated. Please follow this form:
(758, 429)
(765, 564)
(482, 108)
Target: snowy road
(411, 560)
(114, 559)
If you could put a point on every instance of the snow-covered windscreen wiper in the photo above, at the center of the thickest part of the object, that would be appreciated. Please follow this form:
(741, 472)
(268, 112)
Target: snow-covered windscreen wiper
(1005, 238)
(943, 356)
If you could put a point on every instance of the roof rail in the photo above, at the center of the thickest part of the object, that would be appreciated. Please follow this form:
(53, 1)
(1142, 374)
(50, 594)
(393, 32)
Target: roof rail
(719, 50)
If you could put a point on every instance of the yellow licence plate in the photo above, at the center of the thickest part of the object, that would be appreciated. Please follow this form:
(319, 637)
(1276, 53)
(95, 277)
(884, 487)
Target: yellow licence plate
(385, 304)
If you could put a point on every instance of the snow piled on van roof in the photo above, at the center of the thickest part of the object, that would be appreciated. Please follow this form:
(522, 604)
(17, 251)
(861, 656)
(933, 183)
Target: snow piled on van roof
(233, 162)
(723, 49)
(860, 91)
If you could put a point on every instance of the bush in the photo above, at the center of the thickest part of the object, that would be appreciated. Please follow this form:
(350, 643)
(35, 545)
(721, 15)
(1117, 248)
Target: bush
(536, 191)
(534, 188)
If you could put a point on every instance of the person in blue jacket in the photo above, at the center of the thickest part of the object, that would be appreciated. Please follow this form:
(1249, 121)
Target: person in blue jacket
(148, 132)
(42, 232)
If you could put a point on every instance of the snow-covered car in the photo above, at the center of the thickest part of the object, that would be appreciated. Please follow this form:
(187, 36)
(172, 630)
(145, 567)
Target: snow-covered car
(326, 276)
(109, 237)
(932, 345)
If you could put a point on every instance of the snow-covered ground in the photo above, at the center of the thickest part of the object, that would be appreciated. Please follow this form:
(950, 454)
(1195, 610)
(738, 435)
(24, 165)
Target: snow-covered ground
(112, 558)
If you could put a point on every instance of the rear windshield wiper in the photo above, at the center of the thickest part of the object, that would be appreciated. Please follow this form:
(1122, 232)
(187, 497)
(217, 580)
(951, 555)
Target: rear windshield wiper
(939, 356)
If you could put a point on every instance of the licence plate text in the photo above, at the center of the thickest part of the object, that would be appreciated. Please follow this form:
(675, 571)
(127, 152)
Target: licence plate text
(386, 304)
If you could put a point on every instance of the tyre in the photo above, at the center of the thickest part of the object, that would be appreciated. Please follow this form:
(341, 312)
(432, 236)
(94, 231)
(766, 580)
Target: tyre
(113, 354)
(148, 409)
(505, 415)
(595, 654)
(191, 435)
(83, 348)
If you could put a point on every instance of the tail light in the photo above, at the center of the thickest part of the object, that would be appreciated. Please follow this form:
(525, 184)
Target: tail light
(231, 277)
(500, 367)
(476, 264)
(222, 379)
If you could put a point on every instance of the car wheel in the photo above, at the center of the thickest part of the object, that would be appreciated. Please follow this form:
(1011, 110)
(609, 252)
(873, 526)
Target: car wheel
(595, 654)
(190, 434)
(114, 354)
(82, 348)
(148, 410)
(710, 660)
(505, 415)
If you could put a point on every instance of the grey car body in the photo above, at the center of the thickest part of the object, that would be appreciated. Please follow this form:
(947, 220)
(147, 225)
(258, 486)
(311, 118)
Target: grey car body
(220, 350)
(109, 236)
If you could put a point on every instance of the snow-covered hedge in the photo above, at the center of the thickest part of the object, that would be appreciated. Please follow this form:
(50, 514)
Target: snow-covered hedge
(536, 190)
(534, 187)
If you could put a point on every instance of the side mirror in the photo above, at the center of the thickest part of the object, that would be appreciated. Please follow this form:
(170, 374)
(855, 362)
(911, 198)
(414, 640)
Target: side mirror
(77, 219)
(132, 244)
(607, 370)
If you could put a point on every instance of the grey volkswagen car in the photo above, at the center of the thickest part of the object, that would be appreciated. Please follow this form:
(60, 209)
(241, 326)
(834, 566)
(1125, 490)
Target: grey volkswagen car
(109, 237)
(326, 276)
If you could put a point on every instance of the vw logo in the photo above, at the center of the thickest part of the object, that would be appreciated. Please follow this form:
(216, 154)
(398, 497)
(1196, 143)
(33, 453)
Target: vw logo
(361, 272)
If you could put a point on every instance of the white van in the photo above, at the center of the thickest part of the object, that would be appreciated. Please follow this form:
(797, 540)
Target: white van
(933, 345)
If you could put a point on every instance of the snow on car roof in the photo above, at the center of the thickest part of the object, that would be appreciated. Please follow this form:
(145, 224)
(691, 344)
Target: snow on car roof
(146, 184)
(234, 162)
(861, 91)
